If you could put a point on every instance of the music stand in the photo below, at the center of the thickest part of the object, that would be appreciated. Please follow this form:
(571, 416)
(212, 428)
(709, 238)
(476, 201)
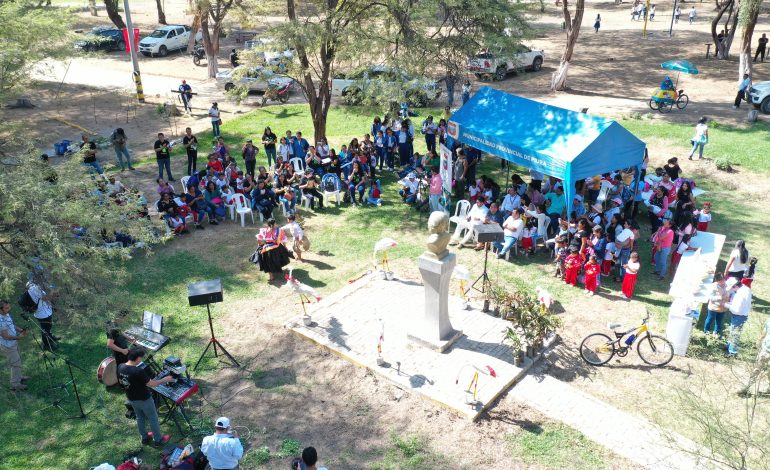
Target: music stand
(206, 293)
(486, 234)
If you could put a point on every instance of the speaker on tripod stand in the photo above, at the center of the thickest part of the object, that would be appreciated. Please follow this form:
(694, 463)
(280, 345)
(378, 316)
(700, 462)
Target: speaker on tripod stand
(206, 293)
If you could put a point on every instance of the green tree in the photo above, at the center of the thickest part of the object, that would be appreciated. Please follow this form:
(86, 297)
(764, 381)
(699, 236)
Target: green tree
(53, 226)
(421, 36)
(28, 36)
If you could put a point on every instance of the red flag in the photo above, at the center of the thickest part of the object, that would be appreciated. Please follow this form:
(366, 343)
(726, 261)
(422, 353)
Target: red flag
(136, 39)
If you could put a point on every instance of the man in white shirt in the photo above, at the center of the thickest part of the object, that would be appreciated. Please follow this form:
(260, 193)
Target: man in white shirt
(44, 315)
(223, 449)
(409, 188)
(114, 186)
(9, 346)
(512, 229)
(739, 306)
(615, 209)
(477, 215)
(511, 201)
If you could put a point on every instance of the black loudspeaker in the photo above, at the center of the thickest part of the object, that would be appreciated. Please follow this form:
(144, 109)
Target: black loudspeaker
(204, 292)
(484, 233)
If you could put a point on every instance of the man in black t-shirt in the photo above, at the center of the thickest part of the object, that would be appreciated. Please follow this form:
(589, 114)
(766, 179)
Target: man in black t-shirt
(163, 156)
(89, 155)
(190, 143)
(136, 379)
(309, 187)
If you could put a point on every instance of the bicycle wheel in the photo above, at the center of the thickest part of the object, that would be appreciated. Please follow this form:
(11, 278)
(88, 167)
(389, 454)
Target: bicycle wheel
(597, 349)
(682, 101)
(666, 107)
(653, 104)
(655, 350)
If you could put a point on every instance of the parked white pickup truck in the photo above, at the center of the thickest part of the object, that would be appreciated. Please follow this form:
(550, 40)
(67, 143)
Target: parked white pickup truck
(491, 65)
(759, 96)
(360, 83)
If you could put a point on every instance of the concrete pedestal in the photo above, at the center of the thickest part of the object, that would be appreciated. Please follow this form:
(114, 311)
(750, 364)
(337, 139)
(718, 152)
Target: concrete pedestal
(434, 330)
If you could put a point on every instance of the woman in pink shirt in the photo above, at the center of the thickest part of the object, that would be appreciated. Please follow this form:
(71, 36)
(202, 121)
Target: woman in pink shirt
(435, 190)
(663, 239)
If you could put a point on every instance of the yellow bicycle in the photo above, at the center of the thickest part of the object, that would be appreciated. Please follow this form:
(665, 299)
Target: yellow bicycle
(597, 349)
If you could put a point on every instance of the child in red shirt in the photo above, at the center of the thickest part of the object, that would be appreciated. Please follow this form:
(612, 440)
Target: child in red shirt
(591, 271)
(629, 278)
(572, 264)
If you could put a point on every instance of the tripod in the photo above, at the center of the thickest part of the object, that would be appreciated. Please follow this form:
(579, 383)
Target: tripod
(56, 403)
(486, 283)
(213, 341)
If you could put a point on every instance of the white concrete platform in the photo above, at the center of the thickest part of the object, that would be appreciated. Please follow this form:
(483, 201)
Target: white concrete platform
(350, 320)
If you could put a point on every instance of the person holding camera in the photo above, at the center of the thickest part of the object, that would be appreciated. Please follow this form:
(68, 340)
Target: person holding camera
(136, 379)
(223, 449)
(9, 345)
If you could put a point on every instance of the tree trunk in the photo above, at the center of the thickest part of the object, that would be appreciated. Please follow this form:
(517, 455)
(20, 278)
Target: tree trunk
(211, 45)
(749, 19)
(718, 48)
(161, 14)
(559, 78)
(114, 14)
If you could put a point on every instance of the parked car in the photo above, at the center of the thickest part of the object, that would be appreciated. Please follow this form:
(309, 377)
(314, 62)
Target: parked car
(254, 78)
(498, 64)
(362, 82)
(271, 56)
(759, 96)
(167, 39)
(102, 39)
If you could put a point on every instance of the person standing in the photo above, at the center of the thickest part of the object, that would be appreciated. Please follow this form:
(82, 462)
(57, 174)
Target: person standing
(597, 23)
(677, 14)
(450, 80)
(631, 270)
(136, 379)
(663, 239)
(9, 345)
(185, 92)
(761, 48)
(429, 129)
(739, 306)
(556, 204)
(190, 143)
(691, 15)
(701, 137)
(44, 315)
(216, 121)
(436, 190)
(743, 89)
(716, 307)
(738, 261)
(652, 12)
(466, 91)
(250, 157)
(121, 148)
(223, 449)
(89, 154)
(269, 140)
(163, 156)
(234, 62)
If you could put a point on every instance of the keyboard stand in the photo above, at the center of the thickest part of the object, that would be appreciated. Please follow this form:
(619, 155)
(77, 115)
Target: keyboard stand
(171, 414)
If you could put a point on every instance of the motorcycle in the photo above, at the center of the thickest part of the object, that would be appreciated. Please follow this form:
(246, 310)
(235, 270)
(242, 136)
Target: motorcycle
(275, 93)
(198, 53)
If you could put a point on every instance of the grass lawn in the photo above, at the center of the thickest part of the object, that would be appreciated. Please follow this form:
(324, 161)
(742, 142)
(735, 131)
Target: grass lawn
(742, 146)
(42, 437)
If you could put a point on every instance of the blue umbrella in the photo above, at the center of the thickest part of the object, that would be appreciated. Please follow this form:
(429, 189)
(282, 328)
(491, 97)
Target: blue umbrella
(680, 65)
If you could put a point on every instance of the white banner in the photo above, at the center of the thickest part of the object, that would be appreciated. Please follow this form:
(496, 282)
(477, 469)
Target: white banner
(445, 168)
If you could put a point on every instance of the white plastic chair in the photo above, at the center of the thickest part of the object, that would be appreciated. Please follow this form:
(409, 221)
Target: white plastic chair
(462, 208)
(298, 164)
(337, 185)
(184, 181)
(231, 207)
(242, 208)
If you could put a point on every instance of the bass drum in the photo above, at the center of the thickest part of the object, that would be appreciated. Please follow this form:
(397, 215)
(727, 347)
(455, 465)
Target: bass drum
(107, 373)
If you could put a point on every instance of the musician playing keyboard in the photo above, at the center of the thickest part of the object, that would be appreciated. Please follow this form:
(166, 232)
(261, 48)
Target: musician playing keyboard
(137, 381)
(117, 343)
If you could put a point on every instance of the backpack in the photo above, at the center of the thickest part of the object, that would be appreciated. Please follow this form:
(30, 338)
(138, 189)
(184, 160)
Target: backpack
(27, 303)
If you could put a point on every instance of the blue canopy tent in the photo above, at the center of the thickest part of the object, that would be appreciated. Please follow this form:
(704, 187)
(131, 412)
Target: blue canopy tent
(565, 144)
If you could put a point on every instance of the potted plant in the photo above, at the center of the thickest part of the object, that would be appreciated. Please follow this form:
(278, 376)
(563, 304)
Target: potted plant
(513, 338)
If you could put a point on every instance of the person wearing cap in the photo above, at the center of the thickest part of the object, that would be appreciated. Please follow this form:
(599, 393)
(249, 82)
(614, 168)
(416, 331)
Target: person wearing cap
(594, 217)
(739, 306)
(577, 206)
(223, 449)
(409, 188)
(114, 186)
(617, 207)
(185, 92)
